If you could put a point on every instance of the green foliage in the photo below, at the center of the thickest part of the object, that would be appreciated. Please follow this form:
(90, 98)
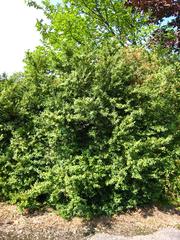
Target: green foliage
(75, 24)
(96, 134)
(91, 127)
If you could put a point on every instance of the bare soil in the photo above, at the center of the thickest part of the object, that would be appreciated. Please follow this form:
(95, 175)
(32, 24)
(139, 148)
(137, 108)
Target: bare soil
(49, 226)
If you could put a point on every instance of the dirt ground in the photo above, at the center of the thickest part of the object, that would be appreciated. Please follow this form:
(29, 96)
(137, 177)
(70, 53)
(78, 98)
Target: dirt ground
(48, 226)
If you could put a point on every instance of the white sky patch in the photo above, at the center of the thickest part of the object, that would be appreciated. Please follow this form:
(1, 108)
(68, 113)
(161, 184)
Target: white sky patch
(17, 33)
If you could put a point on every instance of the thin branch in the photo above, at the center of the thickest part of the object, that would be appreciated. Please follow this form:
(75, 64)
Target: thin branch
(99, 16)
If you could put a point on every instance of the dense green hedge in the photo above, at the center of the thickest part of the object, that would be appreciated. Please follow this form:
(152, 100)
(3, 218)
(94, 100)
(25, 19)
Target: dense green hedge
(98, 138)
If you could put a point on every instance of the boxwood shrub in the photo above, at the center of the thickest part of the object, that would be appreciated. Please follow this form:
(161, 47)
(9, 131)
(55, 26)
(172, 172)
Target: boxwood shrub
(99, 137)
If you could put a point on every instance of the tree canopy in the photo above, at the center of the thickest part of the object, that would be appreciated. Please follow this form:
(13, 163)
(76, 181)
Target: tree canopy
(91, 21)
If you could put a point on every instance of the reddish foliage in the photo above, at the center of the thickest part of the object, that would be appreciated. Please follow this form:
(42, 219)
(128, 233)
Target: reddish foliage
(159, 8)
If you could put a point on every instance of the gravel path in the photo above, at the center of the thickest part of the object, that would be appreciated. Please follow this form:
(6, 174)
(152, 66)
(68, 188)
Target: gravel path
(48, 225)
(164, 234)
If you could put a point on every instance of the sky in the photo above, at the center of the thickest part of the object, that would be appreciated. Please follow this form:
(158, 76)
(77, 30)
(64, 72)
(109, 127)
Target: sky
(17, 33)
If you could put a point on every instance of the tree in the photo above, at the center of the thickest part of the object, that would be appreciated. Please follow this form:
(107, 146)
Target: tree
(77, 26)
(159, 8)
(168, 35)
(91, 21)
(82, 21)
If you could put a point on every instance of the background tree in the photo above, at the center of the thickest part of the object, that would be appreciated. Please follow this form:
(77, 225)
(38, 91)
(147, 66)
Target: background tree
(169, 34)
(77, 26)
(113, 19)
(160, 9)
(91, 22)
